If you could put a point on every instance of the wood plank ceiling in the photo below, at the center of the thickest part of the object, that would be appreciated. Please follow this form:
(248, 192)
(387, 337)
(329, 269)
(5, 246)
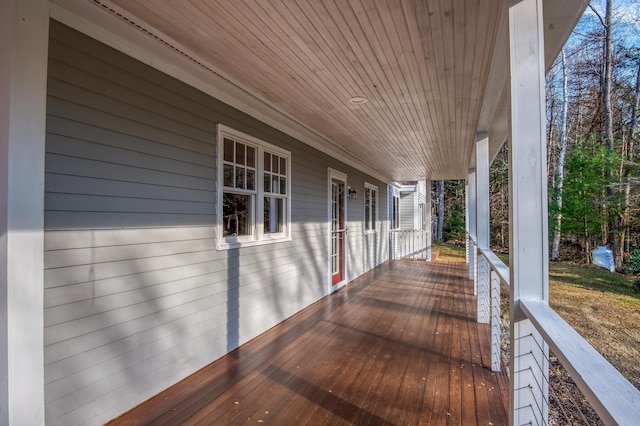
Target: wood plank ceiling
(421, 65)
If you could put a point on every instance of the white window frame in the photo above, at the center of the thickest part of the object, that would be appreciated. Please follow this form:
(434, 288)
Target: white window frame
(257, 236)
(372, 218)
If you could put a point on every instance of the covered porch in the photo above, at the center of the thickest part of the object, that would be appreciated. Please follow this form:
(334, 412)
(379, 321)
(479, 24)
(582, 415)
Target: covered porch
(120, 276)
(399, 345)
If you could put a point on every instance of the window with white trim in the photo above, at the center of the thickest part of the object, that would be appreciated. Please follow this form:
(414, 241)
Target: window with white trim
(395, 212)
(253, 190)
(370, 207)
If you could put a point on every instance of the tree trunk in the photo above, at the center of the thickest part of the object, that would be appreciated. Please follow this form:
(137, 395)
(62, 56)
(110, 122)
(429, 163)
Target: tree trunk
(440, 209)
(555, 251)
(606, 80)
(551, 102)
(610, 222)
(587, 247)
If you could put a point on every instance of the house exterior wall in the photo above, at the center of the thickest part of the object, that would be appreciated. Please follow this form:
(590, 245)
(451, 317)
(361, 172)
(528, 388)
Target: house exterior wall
(136, 296)
(407, 210)
(411, 199)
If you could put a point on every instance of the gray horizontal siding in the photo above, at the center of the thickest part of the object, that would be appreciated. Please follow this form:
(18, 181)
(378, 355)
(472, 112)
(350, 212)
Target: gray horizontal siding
(407, 210)
(136, 295)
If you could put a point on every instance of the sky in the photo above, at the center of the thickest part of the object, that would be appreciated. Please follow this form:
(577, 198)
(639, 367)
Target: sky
(626, 18)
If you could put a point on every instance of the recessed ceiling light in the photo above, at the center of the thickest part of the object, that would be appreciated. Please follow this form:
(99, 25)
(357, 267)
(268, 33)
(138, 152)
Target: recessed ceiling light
(358, 100)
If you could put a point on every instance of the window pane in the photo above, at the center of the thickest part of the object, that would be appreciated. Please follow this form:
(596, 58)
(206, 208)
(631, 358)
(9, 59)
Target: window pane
(367, 215)
(273, 215)
(396, 210)
(267, 182)
(228, 150)
(240, 153)
(251, 179)
(240, 178)
(283, 166)
(267, 162)
(373, 208)
(228, 176)
(283, 186)
(275, 184)
(236, 214)
(274, 163)
(367, 208)
(251, 156)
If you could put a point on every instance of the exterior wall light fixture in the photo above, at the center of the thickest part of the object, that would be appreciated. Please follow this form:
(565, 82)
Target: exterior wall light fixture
(353, 195)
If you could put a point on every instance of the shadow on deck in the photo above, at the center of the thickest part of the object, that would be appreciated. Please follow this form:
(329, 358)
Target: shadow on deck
(397, 346)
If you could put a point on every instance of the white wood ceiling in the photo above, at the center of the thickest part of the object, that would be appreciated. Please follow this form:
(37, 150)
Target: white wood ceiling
(429, 69)
(422, 66)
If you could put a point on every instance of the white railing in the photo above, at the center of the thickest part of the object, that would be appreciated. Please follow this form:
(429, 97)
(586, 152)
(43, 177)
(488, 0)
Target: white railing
(608, 392)
(498, 275)
(409, 244)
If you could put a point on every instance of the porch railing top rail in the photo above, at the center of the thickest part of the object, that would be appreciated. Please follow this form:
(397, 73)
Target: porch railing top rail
(497, 265)
(610, 394)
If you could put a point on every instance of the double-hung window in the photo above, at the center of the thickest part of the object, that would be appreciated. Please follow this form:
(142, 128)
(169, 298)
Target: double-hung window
(370, 207)
(254, 190)
(395, 211)
(275, 177)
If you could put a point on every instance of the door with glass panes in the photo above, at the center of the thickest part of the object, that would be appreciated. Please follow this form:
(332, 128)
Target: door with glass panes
(338, 230)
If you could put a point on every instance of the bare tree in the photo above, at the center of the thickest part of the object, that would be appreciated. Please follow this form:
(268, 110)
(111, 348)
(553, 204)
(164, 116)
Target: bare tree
(555, 251)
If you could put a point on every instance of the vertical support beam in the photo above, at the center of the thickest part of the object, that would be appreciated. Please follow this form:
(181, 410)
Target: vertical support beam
(473, 252)
(496, 333)
(24, 32)
(427, 219)
(528, 234)
(482, 224)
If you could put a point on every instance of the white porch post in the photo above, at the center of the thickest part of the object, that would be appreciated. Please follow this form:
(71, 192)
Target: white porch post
(427, 218)
(482, 224)
(528, 234)
(24, 32)
(472, 221)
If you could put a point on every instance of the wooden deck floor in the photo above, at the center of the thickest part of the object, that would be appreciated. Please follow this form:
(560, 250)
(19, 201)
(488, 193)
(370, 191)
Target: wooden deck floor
(399, 346)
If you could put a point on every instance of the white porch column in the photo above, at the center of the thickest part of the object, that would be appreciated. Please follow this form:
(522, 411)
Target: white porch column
(427, 219)
(24, 32)
(482, 224)
(472, 220)
(528, 234)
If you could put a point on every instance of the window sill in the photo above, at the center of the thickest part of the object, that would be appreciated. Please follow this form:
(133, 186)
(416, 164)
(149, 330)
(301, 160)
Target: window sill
(242, 244)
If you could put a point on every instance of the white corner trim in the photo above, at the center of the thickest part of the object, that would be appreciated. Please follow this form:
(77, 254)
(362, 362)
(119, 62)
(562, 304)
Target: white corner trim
(24, 32)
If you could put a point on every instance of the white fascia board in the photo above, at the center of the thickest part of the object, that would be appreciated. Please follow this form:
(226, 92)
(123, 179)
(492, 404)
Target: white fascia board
(108, 24)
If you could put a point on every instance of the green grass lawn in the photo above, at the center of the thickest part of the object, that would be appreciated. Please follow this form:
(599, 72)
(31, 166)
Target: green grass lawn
(603, 307)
